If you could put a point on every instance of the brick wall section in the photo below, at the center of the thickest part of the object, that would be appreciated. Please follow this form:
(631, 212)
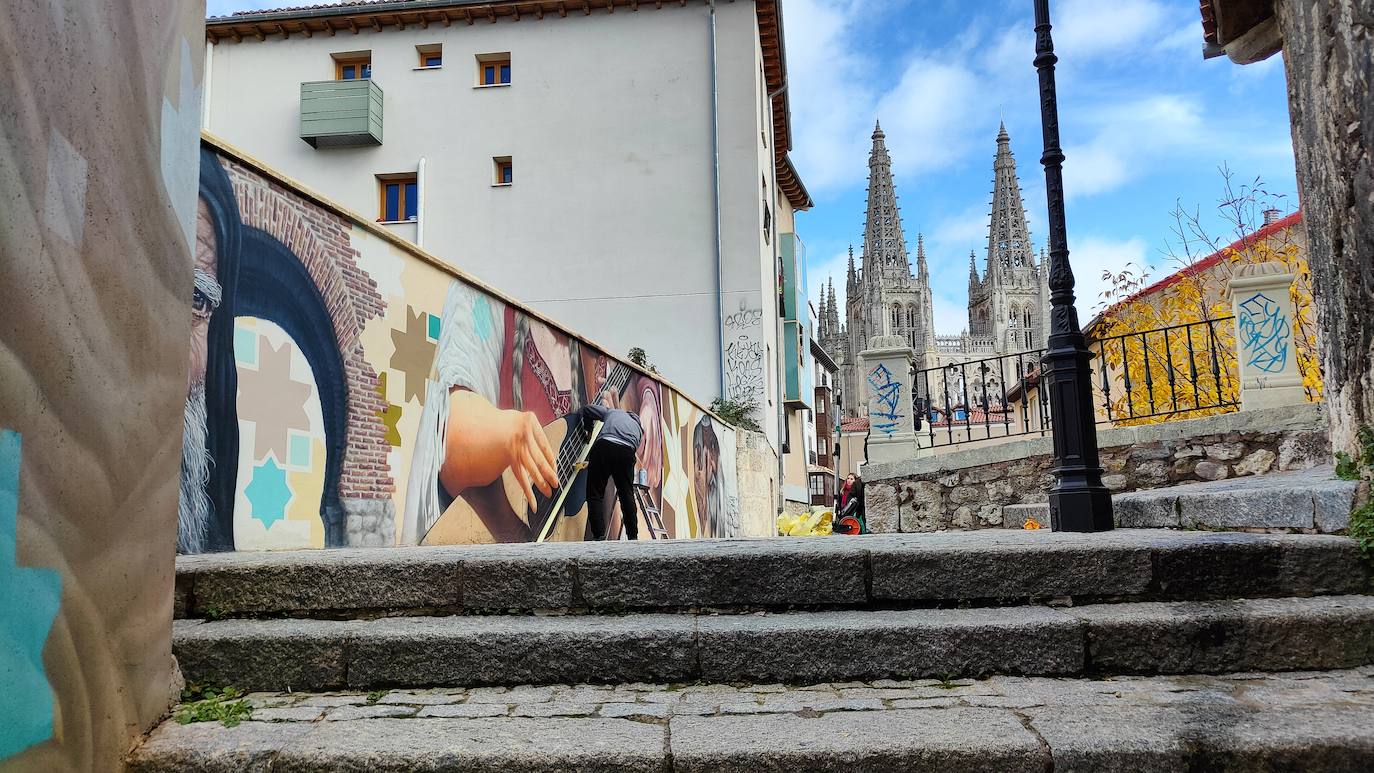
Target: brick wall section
(322, 241)
(971, 494)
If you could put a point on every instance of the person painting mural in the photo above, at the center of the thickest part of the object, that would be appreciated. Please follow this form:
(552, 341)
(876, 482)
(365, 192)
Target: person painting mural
(612, 456)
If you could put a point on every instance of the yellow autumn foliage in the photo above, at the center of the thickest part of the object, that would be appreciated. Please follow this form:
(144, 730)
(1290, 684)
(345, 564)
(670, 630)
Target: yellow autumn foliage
(1175, 347)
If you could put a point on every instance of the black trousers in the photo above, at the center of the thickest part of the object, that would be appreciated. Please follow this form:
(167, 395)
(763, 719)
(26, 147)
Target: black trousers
(616, 462)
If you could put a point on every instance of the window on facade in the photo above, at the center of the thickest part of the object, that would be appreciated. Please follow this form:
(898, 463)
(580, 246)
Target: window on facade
(353, 67)
(503, 171)
(817, 485)
(399, 198)
(431, 55)
(493, 69)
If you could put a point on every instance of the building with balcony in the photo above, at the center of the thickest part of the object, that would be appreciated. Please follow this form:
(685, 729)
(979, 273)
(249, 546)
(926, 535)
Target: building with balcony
(619, 166)
(821, 473)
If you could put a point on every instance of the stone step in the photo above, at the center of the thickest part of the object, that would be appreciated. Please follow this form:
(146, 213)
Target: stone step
(1125, 638)
(873, 570)
(1309, 500)
(1295, 721)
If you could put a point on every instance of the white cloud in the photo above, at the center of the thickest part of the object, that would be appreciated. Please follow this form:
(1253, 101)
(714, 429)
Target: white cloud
(931, 115)
(1128, 137)
(1091, 28)
(831, 101)
(818, 273)
(951, 314)
(1092, 255)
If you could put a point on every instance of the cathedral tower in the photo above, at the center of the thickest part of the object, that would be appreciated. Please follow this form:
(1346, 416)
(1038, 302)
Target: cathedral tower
(1007, 303)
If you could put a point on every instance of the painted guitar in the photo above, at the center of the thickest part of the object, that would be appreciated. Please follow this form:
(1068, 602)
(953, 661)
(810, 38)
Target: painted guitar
(498, 513)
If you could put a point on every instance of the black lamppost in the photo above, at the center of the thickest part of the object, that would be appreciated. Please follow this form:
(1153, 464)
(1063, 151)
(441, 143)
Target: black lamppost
(1078, 500)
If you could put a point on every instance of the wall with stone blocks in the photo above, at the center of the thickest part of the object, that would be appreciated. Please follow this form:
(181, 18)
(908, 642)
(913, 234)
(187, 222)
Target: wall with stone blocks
(968, 489)
(757, 470)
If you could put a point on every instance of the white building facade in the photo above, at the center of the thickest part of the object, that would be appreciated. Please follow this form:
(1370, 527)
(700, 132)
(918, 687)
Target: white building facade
(620, 166)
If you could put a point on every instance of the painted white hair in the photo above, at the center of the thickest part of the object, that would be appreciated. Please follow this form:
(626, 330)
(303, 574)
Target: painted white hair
(193, 505)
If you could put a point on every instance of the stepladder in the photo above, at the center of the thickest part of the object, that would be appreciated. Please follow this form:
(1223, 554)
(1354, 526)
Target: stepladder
(653, 517)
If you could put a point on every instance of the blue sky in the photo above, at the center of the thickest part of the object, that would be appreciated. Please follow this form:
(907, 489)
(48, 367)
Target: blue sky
(1145, 123)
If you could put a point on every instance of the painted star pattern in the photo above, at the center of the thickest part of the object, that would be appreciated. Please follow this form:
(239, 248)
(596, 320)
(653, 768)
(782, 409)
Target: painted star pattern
(268, 493)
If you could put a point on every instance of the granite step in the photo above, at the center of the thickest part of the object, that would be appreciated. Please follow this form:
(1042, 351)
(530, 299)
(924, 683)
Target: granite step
(1243, 721)
(1313, 501)
(873, 571)
(463, 650)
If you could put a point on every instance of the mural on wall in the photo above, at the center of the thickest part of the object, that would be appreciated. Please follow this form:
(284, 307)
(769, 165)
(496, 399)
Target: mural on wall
(345, 391)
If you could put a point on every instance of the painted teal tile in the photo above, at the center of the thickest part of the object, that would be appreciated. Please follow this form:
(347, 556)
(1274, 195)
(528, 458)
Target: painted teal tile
(434, 327)
(29, 600)
(246, 346)
(299, 451)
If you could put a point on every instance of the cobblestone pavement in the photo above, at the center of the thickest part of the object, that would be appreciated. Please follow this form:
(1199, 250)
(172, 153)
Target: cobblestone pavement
(653, 702)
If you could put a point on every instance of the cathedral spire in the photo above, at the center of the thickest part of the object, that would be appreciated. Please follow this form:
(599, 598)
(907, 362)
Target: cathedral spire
(922, 270)
(884, 245)
(852, 278)
(972, 268)
(1008, 236)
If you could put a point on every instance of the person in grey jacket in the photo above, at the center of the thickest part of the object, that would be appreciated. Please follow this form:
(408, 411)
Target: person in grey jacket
(612, 457)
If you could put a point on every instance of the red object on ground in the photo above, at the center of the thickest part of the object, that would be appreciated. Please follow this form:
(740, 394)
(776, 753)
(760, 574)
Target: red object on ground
(847, 525)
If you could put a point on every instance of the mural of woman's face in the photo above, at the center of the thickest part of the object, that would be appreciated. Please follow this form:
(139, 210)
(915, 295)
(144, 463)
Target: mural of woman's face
(651, 449)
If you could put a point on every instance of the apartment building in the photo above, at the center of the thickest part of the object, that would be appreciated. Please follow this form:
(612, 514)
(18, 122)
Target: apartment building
(621, 166)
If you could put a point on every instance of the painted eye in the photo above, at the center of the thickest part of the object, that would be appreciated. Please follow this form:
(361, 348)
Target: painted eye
(200, 303)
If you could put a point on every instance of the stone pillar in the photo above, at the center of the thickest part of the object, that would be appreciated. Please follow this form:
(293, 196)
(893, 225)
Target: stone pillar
(884, 374)
(1265, 345)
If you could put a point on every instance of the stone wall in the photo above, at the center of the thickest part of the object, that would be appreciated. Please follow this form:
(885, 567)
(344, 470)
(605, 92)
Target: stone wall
(968, 489)
(757, 469)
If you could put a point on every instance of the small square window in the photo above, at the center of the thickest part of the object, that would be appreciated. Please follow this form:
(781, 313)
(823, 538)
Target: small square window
(503, 171)
(352, 67)
(399, 198)
(431, 55)
(493, 69)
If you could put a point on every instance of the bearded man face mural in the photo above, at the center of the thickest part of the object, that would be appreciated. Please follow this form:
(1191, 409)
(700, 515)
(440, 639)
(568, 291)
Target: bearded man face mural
(194, 509)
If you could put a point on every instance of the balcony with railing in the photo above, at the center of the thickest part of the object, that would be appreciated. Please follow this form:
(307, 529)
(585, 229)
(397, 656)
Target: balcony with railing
(965, 344)
(341, 113)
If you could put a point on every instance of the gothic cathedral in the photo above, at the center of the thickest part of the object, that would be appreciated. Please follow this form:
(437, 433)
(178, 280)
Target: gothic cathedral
(1008, 303)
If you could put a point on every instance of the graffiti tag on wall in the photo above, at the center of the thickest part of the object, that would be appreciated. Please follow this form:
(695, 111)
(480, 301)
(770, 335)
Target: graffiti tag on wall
(743, 355)
(1264, 333)
(882, 413)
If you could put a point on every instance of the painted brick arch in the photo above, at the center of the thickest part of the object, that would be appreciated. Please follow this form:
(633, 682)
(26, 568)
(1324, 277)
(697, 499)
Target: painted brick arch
(321, 240)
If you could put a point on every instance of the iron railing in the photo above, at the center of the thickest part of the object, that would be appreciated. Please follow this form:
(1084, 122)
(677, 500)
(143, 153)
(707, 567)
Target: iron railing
(1178, 370)
(980, 399)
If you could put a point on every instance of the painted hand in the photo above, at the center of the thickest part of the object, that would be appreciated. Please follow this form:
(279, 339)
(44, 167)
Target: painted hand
(530, 456)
